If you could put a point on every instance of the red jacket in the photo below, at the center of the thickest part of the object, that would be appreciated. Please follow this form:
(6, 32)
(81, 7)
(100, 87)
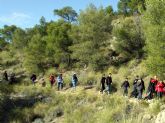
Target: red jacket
(154, 81)
(159, 87)
(52, 79)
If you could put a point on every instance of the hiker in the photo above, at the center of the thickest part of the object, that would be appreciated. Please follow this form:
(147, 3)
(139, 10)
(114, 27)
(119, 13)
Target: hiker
(5, 76)
(103, 80)
(125, 85)
(74, 80)
(151, 88)
(140, 88)
(134, 93)
(33, 78)
(109, 82)
(52, 80)
(60, 82)
(160, 89)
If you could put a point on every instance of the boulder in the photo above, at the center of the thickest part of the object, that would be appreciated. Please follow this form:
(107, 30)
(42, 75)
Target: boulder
(38, 120)
(160, 117)
(162, 107)
(147, 118)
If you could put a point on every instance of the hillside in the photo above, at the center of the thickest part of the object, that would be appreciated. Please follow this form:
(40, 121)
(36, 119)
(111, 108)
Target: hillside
(36, 104)
(45, 105)
(126, 44)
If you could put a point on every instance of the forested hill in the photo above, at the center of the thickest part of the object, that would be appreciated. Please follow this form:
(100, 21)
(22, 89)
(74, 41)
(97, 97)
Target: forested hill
(126, 43)
(96, 38)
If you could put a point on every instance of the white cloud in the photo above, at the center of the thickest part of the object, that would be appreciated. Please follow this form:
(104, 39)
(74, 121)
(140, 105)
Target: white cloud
(19, 19)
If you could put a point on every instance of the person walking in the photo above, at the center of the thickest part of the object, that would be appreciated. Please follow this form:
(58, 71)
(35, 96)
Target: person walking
(109, 82)
(125, 85)
(52, 80)
(5, 76)
(134, 93)
(74, 81)
(103, 81)
(33, 78)
(140, 88)
(160, 89)
(151, 88)
(60, 82)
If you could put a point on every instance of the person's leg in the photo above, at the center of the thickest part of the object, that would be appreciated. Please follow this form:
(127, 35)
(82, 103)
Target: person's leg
(102, 88)
(33, 82)
(74, 85)
(61, 85)
(139, 94)
(126, 92)
(109, 86)
(159, 95)
(58, 84)
(142, 94)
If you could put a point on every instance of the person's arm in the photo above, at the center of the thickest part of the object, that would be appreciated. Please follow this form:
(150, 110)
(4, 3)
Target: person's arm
(128, 85)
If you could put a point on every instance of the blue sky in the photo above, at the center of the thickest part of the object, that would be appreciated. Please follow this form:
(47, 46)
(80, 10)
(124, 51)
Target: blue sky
(26, 13)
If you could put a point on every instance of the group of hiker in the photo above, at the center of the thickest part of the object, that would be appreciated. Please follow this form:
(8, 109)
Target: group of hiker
(156, 87)
(56, 79)
(106, 81)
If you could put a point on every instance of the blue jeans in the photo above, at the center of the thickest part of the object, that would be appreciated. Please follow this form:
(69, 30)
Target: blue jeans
(60, 85)
(109, 88)
(74, 84)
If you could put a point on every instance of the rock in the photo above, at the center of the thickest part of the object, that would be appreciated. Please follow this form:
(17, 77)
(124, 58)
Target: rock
(58, 112)
(147, 118)
(162, 107)
(88, 87)
(82, 102)
(100, 108)
(47, 100)
(160, 117)
(38, 120)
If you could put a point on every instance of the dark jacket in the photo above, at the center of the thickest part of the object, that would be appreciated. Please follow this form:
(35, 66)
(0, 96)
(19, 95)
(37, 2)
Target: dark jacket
(125, 85)
(5, 76)
(33, 77)
(108, 80)
(140, 86)
(135, 84)
(103, 80)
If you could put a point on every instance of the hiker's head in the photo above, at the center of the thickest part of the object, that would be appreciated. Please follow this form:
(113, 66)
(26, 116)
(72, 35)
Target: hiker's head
(110, 74)
(137, 76)
(103, 75)
(155, 77)
(126, 78)
(74, 74)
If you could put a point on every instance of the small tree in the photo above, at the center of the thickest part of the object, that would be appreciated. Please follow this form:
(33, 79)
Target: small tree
(154, 29)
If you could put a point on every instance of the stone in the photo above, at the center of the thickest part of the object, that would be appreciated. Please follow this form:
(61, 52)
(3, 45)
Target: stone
(160, 117)
(38, 120)
(147, 118)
